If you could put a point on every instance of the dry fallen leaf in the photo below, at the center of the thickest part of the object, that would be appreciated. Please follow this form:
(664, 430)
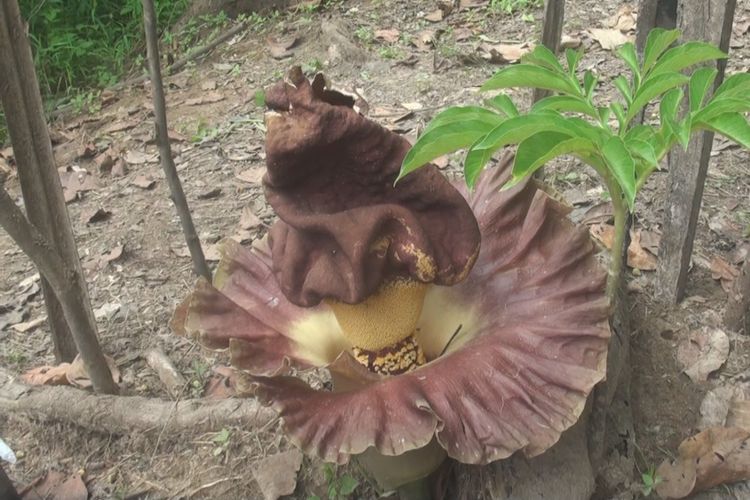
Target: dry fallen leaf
(210, 194)
(77, 375)
(208, 98)
(139, 158)
(609, 39)
(120, 126)
(144, 182)
(570, 42)
(120, 168)
(55, 485)
(47, 375)
(221, 384)
(277, 475)
(638, 257)
(251, 175)
(462, 33)
(74, 181)
(715, 456)
(279, 47)
(208, 85)
(703, 352)
(92, 215)
(425, 40)
(624, 20)
(248, 219)
(434, 16)
(723, 271)
(472, 4)
(388, 35)
(502, 53)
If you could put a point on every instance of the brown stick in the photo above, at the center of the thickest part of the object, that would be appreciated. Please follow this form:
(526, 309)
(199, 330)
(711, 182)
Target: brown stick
(168, 374)
(7, 490)
(42, 191)
(165, 151)
(128, 414)
(737, 314)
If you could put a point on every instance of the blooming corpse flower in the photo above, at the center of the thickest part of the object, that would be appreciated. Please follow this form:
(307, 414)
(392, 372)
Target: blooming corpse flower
(434, 341)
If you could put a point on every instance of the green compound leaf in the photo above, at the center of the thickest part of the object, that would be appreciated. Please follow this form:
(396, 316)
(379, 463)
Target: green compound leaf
(657, 42)
(460, 114)
(700, 82)
(527, 75)
(540, 148)
(565, 104)
(504, 104)
(733, 126)
(652, 88)
(542, 56)
(622, 166)
(737, 85)
(572, 57)
(721, 106)
(348, 485)
(687, 54)
(627, 53)
(668, 108)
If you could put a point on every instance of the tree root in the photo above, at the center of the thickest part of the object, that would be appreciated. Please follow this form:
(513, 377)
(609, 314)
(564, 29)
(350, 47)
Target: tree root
(125, 414)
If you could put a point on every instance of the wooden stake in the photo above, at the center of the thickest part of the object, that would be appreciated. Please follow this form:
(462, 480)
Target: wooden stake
(165, 151)
(711, 21)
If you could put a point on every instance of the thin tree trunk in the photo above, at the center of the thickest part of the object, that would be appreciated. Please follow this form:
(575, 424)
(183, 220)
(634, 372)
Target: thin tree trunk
(22, 102)
(32, 148)
(165, 151)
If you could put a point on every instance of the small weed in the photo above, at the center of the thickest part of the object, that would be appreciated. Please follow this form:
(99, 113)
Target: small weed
(205, 132)
(312, 67)
(365, 35)
(16, 358)
(198, 379)
(650, 481)
(222, 440)
(390, 52)
(339, 488)
(86, 102)
(511, 6)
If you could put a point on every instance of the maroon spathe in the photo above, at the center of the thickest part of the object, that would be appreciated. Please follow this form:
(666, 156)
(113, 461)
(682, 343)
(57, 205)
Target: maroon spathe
(344, 227)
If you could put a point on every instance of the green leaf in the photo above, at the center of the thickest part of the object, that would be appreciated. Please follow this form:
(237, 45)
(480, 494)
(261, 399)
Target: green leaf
(572, 57)
(657, 42)
(627, 53)
(512, 131)
(458, 114)
(621, 83)
(542, 56)
(622, 166)
(648, 135)
(589, 83)
(720, 106)
(619, 112)
(526, 75)
(684, 55)
(668, 108)
(733, 126)
(737, 85)
(260, 98)
(348, 485)
(475, 161)
(565, 103)
(504, 104)
(652, 88)
(447, 137)
(540, 148)
(642, 150)
(700, 81)
(604, 112)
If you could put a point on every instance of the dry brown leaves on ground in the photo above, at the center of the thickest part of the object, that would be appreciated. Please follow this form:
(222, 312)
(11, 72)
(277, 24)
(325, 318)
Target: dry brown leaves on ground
(66, 374)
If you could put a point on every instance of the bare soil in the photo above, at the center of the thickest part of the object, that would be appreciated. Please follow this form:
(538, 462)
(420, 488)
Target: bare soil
(212, 108)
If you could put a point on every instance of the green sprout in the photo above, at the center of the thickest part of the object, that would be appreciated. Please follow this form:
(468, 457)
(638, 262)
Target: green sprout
(610, 139)
(339, 488)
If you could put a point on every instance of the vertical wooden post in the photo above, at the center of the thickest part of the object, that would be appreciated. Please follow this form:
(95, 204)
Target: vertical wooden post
(654, 14)
(711, 21)
(554, 16)
(737, 314)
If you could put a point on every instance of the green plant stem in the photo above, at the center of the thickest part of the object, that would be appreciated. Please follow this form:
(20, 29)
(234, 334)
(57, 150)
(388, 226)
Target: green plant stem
(618, 253)
(416, 490)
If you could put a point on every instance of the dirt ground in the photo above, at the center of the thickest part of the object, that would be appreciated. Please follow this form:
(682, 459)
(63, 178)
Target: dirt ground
(218, 150)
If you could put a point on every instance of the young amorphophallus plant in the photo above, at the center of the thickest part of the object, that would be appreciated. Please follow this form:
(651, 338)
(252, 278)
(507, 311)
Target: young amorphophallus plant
(436, 345)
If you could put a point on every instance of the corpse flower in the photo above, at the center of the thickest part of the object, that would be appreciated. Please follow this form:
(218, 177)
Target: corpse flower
(436, 345)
